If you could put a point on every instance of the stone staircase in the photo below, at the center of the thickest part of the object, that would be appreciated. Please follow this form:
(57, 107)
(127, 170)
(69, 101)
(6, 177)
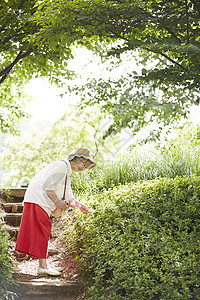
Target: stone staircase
(11, 205)
(31, 286)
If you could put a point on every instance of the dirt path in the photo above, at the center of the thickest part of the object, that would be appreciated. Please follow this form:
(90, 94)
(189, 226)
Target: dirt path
(58, 255)
(67, 286)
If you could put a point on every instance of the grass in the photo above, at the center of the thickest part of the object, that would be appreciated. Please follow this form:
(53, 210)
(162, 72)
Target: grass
(178, 157)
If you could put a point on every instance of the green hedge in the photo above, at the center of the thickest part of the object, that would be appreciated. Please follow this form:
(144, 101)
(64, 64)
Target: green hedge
(141, 241)
(7, 285)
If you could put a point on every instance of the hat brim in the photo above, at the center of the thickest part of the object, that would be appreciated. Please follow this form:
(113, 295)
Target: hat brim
(93, 164)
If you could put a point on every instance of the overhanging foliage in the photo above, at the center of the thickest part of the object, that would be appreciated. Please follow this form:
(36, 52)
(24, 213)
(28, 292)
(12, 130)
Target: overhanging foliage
(164, 32)
(164, 29)
(22, 59)
(36, 37)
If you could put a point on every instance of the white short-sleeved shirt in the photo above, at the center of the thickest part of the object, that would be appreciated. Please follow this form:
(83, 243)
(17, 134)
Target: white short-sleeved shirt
(51, 177)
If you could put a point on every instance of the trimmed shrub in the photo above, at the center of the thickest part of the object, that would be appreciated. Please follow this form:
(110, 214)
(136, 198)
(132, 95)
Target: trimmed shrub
(141, 241)
(7, 285)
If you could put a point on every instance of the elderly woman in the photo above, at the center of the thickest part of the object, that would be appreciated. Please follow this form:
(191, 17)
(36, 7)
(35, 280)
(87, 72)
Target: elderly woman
(49, 193)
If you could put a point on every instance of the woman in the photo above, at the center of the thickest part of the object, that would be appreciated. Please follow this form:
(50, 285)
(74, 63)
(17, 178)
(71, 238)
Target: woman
(49, 191)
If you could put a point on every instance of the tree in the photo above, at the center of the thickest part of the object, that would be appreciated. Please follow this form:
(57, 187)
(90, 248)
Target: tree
(165, 32)
(37, 35)
(22, 58)
(31, 153)
(168, 30)
(137, 105)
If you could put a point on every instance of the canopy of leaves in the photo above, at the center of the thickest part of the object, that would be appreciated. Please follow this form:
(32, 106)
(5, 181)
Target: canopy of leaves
(165, 32)
(164, 29)
(21, 58)
(135, 105)
(36, 37)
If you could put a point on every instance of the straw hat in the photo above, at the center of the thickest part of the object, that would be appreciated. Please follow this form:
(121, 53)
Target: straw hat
(85, 153)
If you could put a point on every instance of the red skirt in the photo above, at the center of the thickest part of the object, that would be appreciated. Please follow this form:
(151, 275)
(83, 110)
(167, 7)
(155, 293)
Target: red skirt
(34, 231)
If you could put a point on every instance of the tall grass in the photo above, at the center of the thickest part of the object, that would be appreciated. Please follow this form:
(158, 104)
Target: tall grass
(178, 157)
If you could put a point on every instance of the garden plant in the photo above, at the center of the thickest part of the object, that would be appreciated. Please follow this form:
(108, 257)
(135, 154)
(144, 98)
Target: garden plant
(141, 240)
(7, 284)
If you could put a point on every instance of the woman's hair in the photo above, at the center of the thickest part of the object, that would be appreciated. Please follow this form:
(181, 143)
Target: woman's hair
(87, 163)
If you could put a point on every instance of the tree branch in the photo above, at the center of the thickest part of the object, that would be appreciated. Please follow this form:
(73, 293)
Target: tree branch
(170, 59)
(164, 55)
(9, 68)
(175, 62)
(10, 37)
(4, 73)
(196, 5)
(117, 35)
(21, 4)
(166, 27)
(3, 78)
(187, 21)
(2, 27)
(172, 33)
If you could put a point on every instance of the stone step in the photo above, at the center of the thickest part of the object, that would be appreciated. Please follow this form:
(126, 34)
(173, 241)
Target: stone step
(13, 219)
(13, 194)
(34, 287)
(12, 207)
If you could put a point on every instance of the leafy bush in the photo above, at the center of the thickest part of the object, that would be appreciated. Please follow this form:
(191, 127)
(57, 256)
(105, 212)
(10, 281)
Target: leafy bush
(141, 241)
(7, 285)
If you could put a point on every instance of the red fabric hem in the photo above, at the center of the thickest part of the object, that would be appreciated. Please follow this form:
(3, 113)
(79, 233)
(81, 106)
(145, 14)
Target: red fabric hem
(34, 231)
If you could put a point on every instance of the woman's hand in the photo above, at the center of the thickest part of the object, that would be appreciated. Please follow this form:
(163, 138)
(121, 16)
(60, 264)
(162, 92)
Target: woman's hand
(59, 203)
(84, 209)
(77, 204)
